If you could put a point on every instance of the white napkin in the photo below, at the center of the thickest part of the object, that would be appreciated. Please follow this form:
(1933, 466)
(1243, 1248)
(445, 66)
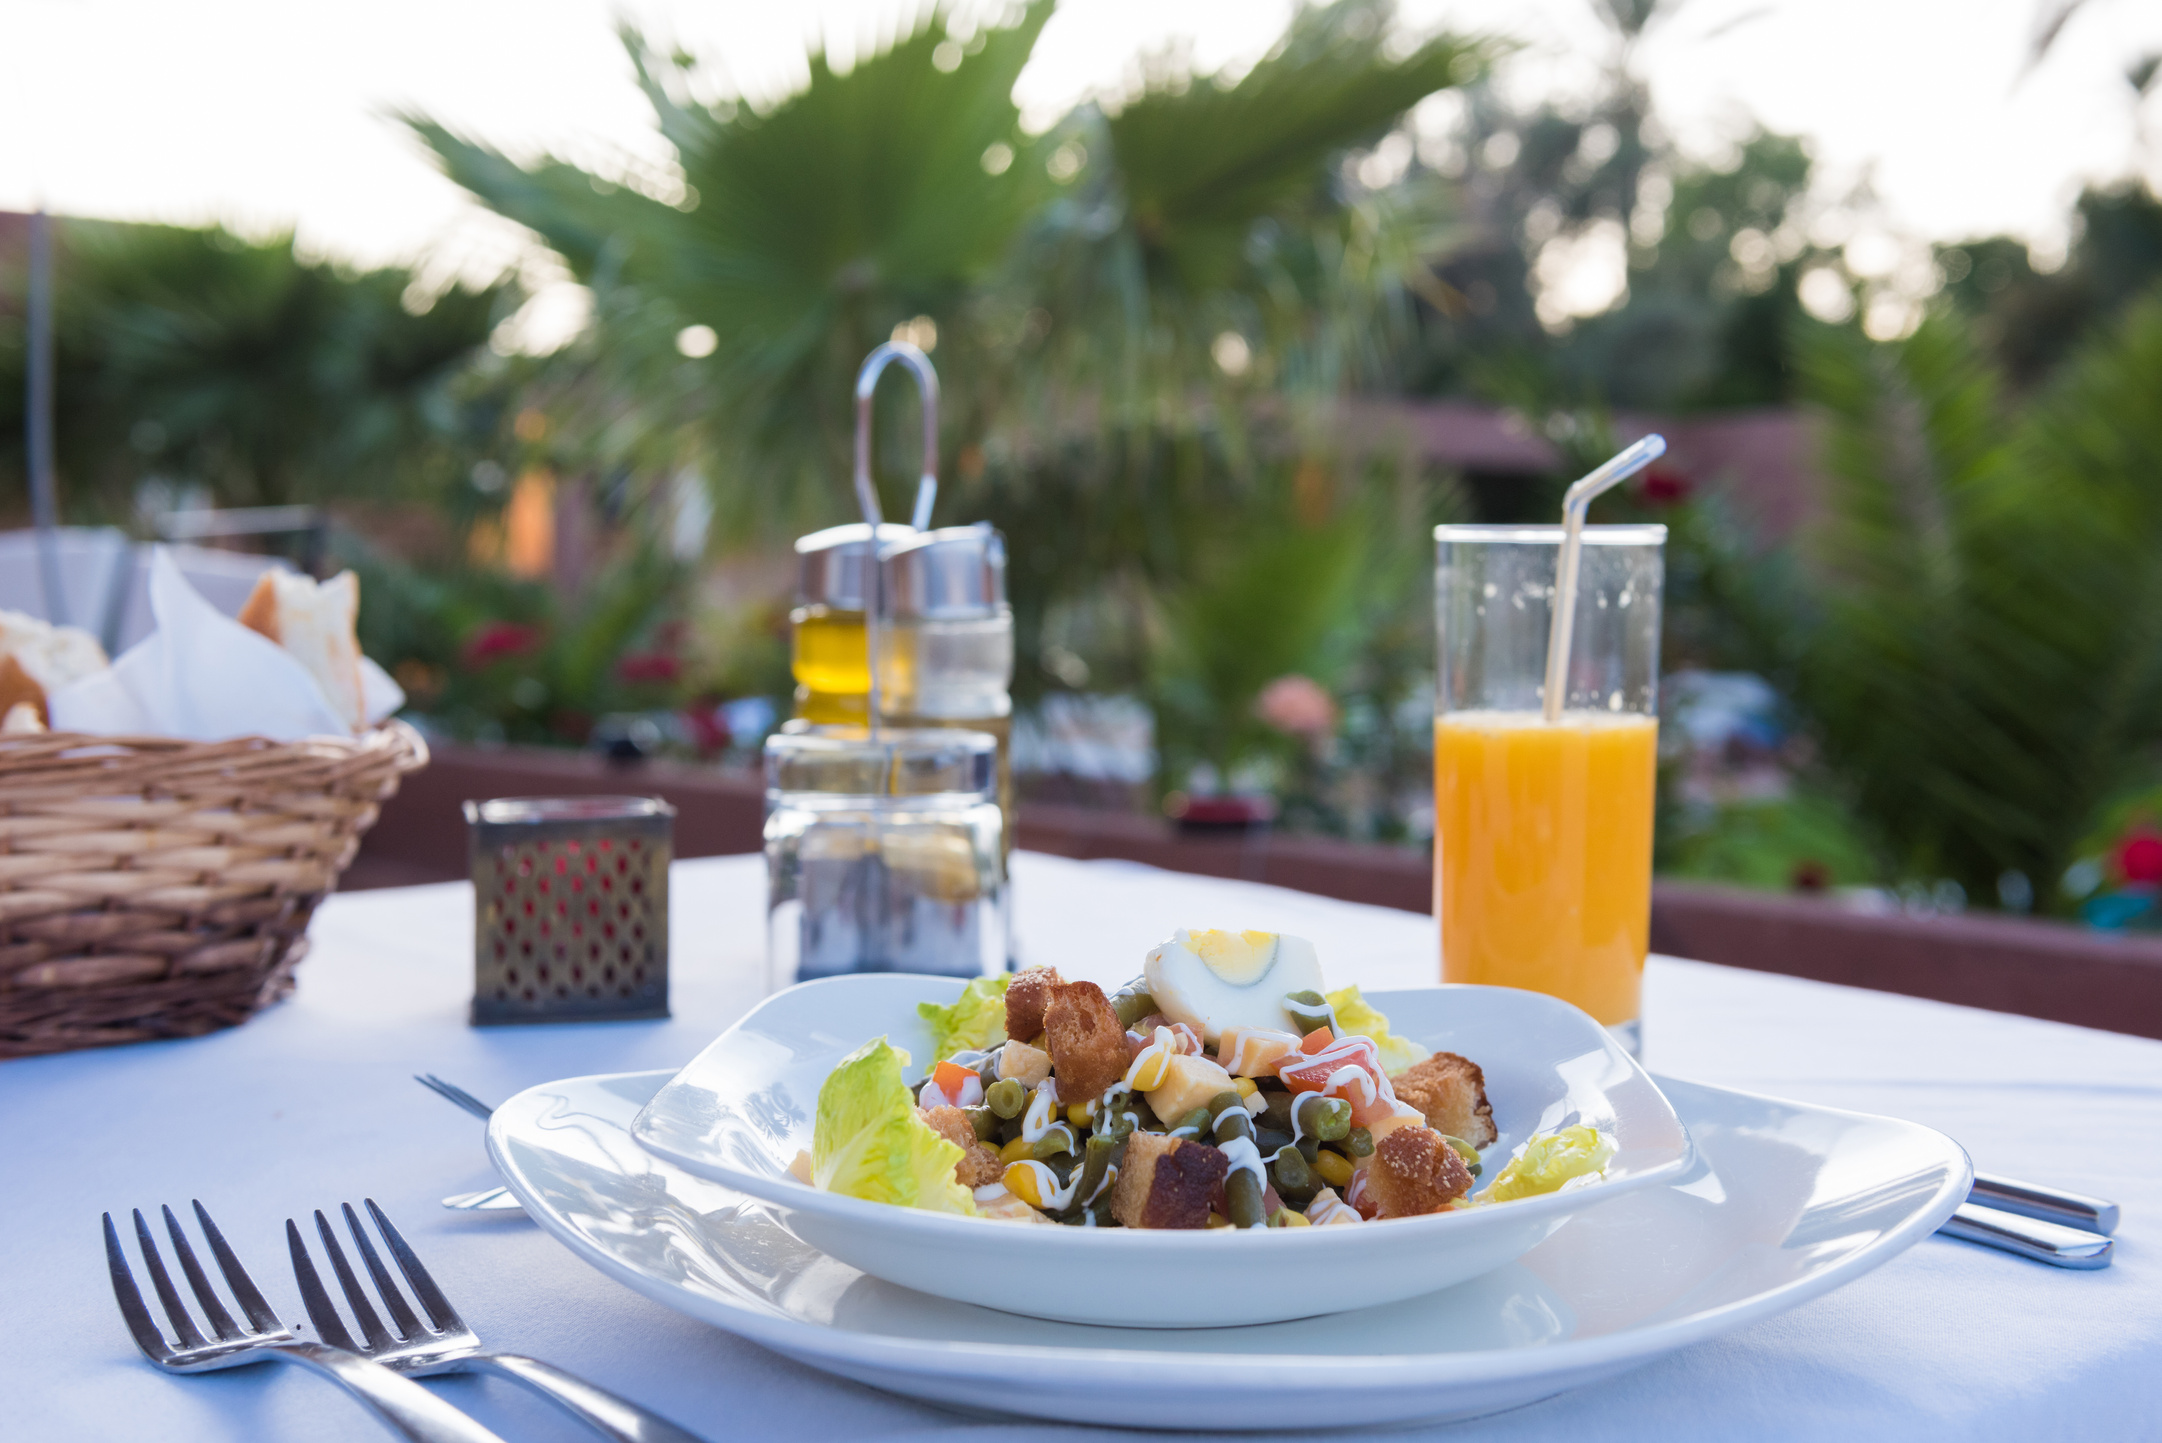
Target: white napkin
(202, 676)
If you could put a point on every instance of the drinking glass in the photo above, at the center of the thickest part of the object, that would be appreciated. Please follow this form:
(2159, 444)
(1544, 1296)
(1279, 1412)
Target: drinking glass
(1543, 830)
(882, 855)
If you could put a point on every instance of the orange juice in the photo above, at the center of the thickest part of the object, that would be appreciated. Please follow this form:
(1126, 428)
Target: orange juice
(1543, 853)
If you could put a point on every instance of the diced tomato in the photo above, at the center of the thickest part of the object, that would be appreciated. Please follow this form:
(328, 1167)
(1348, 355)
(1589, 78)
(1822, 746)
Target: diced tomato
(1314, 1041)
(951, 1077)
(1349, 1069)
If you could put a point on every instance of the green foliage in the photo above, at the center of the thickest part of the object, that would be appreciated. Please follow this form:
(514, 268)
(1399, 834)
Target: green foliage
(205, 359)
(1772, 844)
(1985, 664)
(804, 234)
(488, 657)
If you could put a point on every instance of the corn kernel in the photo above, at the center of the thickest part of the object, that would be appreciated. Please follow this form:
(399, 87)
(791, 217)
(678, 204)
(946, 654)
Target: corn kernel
(1334, 1167)
(1079, 1113)
(1147, 1074)
(1288, 1217)
(1246, 1085)
(1020, 1180)
(1016, 1151)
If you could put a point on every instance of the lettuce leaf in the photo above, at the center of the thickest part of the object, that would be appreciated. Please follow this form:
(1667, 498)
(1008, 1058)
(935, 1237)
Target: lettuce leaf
(1550, 1160)
(1356, 1016)
(977, 1018)
(868, 1141)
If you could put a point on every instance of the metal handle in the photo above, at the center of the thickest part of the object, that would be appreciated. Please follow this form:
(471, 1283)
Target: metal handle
(402, 1403)
(2050, 1205)
(2045, 1242)
(919, 365)
(617, 1418)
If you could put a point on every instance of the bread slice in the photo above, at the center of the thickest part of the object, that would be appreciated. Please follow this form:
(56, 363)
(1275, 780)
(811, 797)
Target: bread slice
(1414, 1172)
(314, 621)
(37, 658)
(1026, 998)
(1451, 1091)
(1166, 1182)
(1086, 1040)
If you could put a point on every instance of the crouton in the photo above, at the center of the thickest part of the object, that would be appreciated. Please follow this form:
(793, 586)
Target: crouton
(1024, 1064)
(1451, 1091)
(1189, 1082)
(1415, 1172)
(979, 1164)
(1166, 1182)
(1086, 1040)
(1026, 997)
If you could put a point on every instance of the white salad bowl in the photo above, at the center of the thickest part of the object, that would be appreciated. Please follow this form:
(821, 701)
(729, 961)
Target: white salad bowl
(744, 1107)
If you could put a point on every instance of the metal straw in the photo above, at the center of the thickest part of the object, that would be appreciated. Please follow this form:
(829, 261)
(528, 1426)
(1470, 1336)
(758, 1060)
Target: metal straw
(1574, 504)
(874, 517)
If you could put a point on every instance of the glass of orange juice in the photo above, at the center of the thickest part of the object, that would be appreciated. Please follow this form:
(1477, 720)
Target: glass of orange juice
(1543, 830)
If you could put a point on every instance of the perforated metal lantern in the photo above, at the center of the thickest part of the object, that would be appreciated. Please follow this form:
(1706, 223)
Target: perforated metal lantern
(570, 915)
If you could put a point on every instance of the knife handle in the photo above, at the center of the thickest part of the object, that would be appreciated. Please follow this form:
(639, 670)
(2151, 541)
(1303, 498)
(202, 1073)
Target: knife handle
(2050, 1205)
(2045, 1242)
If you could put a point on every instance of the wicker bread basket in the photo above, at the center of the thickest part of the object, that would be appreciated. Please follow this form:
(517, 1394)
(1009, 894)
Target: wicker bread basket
(159, 888)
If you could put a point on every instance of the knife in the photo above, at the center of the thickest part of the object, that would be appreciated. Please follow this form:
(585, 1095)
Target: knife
(2029, 1237)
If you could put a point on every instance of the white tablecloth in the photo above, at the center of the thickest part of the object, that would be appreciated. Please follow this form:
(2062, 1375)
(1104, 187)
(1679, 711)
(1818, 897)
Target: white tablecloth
(312, 1104)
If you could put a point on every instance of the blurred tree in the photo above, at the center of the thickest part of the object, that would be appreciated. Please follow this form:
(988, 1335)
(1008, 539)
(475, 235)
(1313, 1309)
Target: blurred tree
(203, 359)
(1983, 657)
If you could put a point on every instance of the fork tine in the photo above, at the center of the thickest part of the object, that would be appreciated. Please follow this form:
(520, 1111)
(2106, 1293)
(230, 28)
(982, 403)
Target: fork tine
(371, 1326)
(176, 1311)
(221, 1322)
(236, 1277)
(328, 1325)
(401, 1313)
(439, 1310)
(455, 1093)
(140, 1326)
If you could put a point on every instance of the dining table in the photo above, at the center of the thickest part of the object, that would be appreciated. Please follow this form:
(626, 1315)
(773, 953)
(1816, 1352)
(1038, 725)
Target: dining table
(312, 1103)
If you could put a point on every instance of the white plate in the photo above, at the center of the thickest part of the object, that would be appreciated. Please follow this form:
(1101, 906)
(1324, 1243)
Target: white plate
(1783, 1202)
(744, 1107)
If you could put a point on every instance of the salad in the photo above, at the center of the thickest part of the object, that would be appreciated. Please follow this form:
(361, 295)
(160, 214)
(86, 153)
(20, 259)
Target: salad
(1224, 1087)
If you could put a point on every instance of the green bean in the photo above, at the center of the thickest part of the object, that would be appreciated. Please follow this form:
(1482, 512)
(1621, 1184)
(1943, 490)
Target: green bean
(1242, 1196)
(1270, 1140)
(1194, 1124)
(1309, 1009)
(1118, 1117)
(984, 1120)
(1359, 1143)
(1060, 1139)
(1463, 1150)
(1096, 1160)
(1309, 1148)
(1331, 1121)
(1228, 1098)
(1006, 1097)
(1230, 1123)
(1062, 1167)
(1131, 1007)
(1080, 1217)
(1276, 1110)
(1295, 1181)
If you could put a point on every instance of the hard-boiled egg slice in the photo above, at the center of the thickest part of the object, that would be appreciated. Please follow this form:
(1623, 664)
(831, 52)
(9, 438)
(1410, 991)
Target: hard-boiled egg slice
(1211, 980)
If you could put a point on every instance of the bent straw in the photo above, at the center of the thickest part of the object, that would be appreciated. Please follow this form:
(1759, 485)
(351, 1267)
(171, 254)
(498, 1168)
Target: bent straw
(1574, 505)
(919, 365)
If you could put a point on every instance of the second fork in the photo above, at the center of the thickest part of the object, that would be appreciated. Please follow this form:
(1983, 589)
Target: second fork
(444, 1344)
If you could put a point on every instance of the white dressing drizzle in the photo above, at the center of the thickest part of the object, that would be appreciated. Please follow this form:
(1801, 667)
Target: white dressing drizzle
(1243, 1154)
(1042, 1114)
(1055, 1199)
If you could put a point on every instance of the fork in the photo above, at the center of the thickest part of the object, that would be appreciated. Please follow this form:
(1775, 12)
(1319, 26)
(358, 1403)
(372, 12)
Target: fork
(406, 1406)
(444, 1344)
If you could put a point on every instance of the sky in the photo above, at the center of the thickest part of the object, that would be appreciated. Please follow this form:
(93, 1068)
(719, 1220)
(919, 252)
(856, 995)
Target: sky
(267, 114)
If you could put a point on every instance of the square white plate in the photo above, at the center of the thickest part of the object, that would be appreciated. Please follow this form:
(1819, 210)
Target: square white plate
(1783, 1203)
(744, 1107)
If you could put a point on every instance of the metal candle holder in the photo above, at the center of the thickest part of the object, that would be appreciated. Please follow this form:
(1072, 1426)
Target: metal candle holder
(570, 908)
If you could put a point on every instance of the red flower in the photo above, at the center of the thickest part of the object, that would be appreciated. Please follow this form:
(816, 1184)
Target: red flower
(649, 666)
(1664, 486)
(494, 640)
(2139, 855)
